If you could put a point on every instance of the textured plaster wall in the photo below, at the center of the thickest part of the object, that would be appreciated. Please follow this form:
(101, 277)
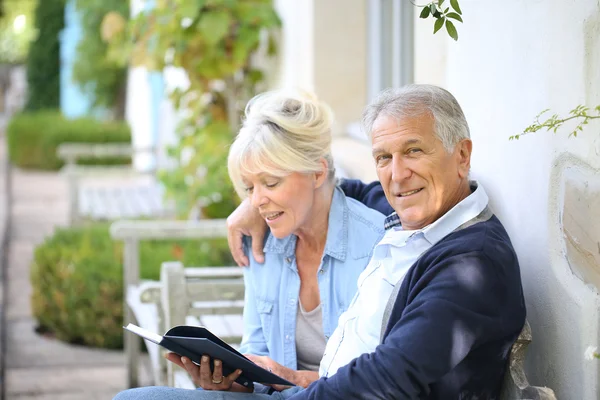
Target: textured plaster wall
(513, 59)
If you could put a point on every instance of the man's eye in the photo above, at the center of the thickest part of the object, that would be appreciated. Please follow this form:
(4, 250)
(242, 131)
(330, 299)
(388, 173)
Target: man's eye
(382, 157)
(414, 150)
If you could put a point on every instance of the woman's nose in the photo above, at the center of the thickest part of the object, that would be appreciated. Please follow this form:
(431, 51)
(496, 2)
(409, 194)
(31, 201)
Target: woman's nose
(258, 199)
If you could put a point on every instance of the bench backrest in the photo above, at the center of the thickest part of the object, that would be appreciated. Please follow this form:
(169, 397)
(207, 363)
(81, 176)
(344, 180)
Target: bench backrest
(516, 386)
(204, 296)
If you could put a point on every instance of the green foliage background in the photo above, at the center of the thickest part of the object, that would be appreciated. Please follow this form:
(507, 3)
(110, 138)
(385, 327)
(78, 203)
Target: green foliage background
(77, 280)
(43, 60)
(216, 43)
(97, 75)
(15, 45)
(33, 137)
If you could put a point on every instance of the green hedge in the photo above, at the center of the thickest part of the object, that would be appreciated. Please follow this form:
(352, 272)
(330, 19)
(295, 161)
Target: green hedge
(33, 138)
(77, 281)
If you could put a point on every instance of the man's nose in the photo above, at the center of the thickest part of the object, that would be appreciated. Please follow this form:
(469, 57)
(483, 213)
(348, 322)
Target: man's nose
(400, 170)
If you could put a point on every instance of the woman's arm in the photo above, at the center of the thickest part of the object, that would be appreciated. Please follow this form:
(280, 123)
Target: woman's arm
(254, 341)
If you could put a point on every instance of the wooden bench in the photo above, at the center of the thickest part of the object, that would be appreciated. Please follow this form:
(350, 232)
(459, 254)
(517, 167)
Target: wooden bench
(143, 301)
(210, 297)
(516, 386)
(110, 192)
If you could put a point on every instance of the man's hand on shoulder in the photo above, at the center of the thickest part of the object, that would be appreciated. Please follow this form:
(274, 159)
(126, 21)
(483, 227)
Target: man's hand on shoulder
(246, 221)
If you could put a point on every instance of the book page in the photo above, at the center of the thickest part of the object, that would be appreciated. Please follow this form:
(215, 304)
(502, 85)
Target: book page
(146, 334)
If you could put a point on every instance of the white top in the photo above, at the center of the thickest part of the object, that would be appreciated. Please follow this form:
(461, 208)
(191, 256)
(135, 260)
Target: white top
(310, 339)
(359, 328)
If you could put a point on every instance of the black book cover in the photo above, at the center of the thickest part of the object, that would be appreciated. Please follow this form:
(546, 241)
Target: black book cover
(193, 342)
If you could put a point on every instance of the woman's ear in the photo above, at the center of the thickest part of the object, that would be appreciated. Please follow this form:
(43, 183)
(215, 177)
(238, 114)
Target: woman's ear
(322, 174)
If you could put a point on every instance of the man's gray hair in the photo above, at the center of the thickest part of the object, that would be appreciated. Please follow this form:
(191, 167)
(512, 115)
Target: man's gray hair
(450, 124)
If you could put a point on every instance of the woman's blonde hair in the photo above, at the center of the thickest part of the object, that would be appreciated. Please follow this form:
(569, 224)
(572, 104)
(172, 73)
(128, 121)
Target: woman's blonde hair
(283, 132)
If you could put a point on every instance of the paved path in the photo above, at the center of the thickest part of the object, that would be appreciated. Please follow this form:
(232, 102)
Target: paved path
(37, 367)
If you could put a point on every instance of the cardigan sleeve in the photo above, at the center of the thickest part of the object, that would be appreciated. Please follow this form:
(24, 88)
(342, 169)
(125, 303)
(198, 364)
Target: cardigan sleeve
(453, 308)
(371, 195)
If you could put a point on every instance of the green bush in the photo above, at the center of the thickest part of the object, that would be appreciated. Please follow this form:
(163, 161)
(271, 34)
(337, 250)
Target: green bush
(33, 138)
(77, 281)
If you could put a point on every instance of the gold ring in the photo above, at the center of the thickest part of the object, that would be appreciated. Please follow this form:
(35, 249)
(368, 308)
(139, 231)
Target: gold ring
(217, 382)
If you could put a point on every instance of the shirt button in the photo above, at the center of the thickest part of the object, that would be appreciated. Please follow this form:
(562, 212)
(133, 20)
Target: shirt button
(287, 338)
(288, 260)
(321, 270)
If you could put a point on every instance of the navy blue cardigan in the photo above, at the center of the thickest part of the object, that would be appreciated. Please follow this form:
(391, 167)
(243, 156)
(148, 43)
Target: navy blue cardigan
(458, 312)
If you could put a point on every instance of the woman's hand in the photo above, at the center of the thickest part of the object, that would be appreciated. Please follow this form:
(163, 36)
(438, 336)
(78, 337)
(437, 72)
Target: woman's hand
(300, 378)
(246, 221)
(204, 378)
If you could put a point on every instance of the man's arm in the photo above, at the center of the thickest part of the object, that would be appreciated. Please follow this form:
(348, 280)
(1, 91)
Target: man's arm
(460, 307)
(371, 194)
(246, 221)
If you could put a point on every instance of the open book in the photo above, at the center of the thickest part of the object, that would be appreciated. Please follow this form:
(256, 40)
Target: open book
(193, 341)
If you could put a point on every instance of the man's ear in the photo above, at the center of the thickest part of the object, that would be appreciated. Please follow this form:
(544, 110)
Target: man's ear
(322, 174)
(463, 152)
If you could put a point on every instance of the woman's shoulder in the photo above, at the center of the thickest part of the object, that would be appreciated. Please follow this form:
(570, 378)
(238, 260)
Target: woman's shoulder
(362, 216)
(365, 227)
(272, 259)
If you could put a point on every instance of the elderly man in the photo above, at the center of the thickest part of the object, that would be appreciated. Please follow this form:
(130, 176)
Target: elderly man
(440, 303)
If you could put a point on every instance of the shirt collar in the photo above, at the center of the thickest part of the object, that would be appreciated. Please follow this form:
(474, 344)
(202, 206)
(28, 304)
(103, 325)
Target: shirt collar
(337, 233)
(468, 208)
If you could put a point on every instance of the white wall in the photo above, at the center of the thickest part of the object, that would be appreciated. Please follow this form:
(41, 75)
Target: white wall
(324, 50)
(138, 107)
(513, 59)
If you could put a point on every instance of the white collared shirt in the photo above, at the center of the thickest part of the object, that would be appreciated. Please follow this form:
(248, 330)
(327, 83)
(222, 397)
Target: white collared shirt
(359, 328)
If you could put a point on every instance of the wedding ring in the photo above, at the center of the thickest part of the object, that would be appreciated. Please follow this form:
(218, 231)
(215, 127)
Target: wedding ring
(217, 382)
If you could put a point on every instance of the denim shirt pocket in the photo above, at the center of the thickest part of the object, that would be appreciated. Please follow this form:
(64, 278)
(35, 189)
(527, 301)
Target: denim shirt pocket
(265, 311)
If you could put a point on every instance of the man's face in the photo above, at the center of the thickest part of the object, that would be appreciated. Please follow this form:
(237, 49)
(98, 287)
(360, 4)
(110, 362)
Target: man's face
(421, 180)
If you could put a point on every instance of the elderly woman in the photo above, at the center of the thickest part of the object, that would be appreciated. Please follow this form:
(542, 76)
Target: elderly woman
(319, 242)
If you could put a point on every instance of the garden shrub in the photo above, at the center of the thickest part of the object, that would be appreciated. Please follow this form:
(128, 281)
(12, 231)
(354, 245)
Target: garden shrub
(33, 138)
(77, 280)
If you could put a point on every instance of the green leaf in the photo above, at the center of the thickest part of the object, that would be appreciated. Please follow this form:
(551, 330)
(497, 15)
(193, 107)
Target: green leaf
(425, 13)
(440, 2)
(190, 9)
(438, 25)
(451, 30)
(455, 16)
(455, 6)
(214, 26)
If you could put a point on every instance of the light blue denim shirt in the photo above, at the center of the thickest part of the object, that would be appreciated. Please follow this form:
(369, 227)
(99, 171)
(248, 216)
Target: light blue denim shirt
(273, 288)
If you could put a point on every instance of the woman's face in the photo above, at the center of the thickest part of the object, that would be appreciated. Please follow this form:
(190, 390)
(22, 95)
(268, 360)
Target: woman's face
(285, 203)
